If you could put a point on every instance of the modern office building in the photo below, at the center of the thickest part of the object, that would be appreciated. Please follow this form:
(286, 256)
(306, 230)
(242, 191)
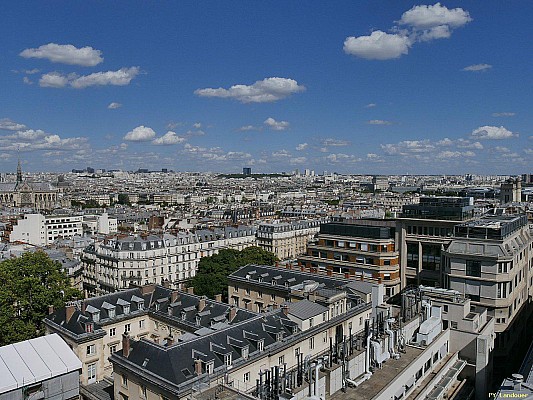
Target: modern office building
(490, 260)
(423, 230)
(43, 230)
(362, 249)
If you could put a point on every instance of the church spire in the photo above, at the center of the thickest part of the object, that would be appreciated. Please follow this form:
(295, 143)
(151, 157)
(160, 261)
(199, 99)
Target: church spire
(19, 173)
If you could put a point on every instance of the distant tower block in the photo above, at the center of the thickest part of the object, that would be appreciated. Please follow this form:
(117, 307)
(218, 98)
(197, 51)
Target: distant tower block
(247, 171)
(511, 191)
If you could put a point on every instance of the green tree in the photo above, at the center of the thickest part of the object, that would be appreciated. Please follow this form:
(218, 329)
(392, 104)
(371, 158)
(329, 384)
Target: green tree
(212, 274)
(124, 199)
(29, 284)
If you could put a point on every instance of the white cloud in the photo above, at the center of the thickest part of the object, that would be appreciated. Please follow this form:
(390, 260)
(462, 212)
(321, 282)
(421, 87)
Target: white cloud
(114, 106)
(477, 67)
(373, 157)
(379, 122)
(445, 142)
(276, 125)
(467, 144)
(8, 125)
(197, 125)
(54, 80)
(297, 160)
(267, 90)
(502, 149)
(504, 114)
(528, 151)
(426, 17)
(371, 105)
(281, 154)
(423, 23)
(120, 77)
(407, 147)
(168, 139)
(247, 128)
(140, 134)
(341, 158)
(27, 80)
(492, 132)
(378, 45)
(455, 154)
(335, 142)
(301, 146)
(65, 54)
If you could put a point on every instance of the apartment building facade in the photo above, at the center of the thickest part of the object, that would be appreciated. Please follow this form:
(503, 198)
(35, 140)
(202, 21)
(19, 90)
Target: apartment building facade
(287, 239)
(362, 249)
(94, 328)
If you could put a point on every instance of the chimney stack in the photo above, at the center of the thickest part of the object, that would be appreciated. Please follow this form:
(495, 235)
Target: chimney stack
(69, 311)
(174, 296)
(50, 310)
(218, 297)
(125, 345)
(198, 367)
(285, 309)
(517, 381)
(201, 304)
(232, 313)
(147, 289)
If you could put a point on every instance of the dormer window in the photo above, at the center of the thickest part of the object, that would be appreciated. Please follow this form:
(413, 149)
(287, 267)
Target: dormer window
(157, 306)
(126, 309)
(279, 336)
(227, 359)
(183, 315)
(96, 316)
(209, 368)
(260, 345)
(111, 313)
(89, 327)
(245, 352)
(198, 320)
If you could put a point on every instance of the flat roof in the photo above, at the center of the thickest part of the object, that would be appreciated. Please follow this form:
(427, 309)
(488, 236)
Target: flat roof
(35, 360)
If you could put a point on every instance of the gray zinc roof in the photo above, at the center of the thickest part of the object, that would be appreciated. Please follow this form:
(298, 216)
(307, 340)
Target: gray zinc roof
(35, 360)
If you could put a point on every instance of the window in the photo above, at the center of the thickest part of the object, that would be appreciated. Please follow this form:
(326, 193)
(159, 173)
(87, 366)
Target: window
(259, 294)
(273, 297)
(311, 343)
(124, 380)
(113, 348)
(260, 345)
(296, 352)
(247, 291)
(246, 377)
(142, 390)
(311, 322)
(281, 360)
(91, 349)
(127, 328)
(91, 372)
(324, 316)
(227, 359)
(473, 268)
(141, 324)
(112, 332)
(453, 324)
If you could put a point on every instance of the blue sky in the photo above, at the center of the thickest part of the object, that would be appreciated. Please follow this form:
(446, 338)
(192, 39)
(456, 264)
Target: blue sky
(391, 87)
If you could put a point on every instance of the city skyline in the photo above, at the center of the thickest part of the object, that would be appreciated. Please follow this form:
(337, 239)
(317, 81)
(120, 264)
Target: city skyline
(401, 88)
